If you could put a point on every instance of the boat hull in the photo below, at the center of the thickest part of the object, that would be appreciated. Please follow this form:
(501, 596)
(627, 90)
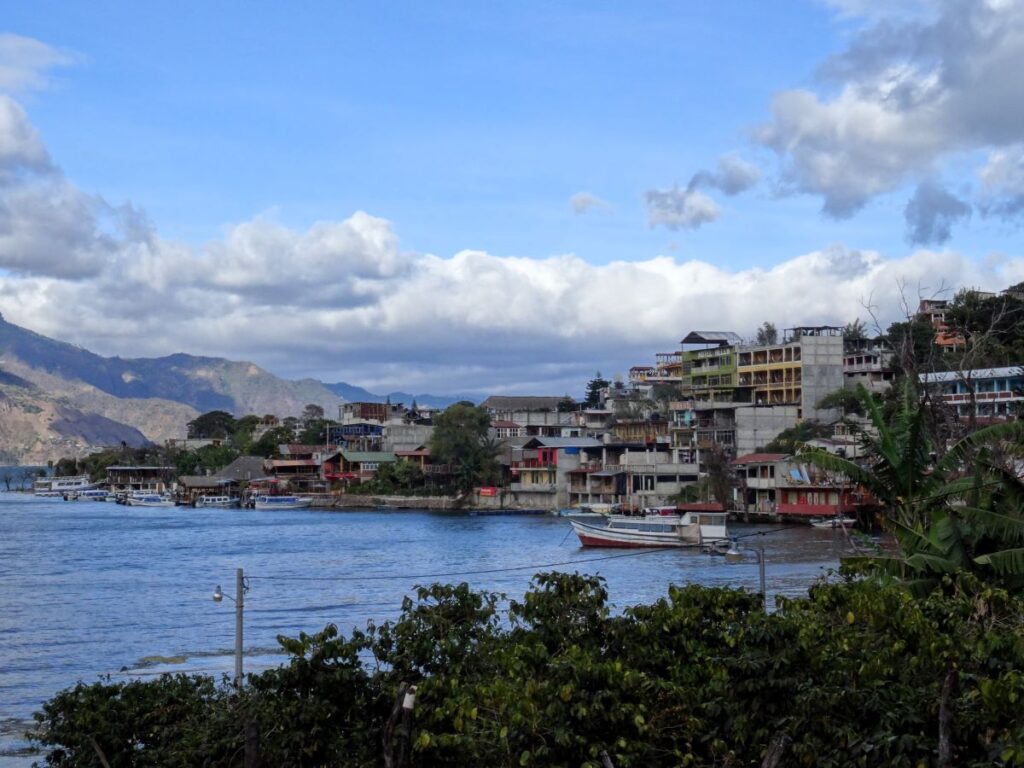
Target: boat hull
(628, 538)
(290, 504)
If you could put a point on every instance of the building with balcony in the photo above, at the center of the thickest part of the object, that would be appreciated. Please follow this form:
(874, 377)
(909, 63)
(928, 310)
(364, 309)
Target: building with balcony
(799, 372)
(992, 393)
(867, 362)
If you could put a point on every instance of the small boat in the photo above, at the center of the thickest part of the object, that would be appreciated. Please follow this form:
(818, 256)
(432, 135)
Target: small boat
(832, 522)
(216, 501)
(150, 500)
(689, 529)
(589, 510)
(281, 502)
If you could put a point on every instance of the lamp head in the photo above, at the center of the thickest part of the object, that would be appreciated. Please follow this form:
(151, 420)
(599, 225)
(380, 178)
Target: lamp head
(218, 595)
(733, 554)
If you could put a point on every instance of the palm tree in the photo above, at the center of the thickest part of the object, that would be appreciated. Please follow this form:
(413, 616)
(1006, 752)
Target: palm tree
(958, 511)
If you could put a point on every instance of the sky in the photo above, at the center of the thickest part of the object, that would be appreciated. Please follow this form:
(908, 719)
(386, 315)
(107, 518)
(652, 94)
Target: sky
(500, 197)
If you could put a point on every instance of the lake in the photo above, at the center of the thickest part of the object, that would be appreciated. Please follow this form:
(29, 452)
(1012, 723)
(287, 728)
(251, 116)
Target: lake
(92, 588)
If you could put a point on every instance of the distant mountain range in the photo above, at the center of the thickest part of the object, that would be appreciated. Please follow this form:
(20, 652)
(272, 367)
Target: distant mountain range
(354, 394)
(58, 400)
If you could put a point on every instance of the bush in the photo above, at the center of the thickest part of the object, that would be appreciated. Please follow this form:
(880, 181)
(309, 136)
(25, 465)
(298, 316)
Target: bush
(854, 675)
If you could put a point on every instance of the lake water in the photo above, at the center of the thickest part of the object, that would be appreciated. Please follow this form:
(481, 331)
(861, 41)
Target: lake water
(90, 588)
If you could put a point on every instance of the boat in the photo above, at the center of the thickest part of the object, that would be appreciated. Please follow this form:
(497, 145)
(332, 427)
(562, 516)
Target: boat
(150, 500)
(589, 510)
(832, 522)
(216, 501)
(688, 529)
(281, 502)
(61, 486)
(93, 494)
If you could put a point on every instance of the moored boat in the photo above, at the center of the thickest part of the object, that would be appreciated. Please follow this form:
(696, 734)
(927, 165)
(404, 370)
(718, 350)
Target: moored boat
(281, 502)
(689, 529)
(150, 500)
(216, 501)
(61, 486)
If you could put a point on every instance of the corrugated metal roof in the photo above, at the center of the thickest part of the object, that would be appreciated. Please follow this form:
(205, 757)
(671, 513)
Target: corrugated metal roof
(361, 456)
(566, 442)
(712, 337)
(973, 375)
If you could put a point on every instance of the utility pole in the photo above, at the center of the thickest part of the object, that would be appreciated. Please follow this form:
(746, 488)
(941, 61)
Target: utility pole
(239, 616)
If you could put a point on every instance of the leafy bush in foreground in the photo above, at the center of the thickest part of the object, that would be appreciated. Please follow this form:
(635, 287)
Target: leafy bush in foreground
(857, 674)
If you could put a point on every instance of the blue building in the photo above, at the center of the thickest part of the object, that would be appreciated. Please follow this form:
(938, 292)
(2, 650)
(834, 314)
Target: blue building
(995, 392)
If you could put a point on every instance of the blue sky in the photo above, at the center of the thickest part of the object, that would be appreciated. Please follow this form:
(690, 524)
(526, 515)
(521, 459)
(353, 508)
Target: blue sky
(246, 137)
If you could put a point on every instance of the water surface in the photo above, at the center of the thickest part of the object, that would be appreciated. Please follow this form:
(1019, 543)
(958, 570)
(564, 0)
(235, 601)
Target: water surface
(90, 588)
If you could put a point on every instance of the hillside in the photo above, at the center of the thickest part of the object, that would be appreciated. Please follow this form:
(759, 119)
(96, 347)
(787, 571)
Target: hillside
(59, 400)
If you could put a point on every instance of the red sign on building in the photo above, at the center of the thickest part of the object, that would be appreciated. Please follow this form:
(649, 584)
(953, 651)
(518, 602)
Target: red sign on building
(489, 491)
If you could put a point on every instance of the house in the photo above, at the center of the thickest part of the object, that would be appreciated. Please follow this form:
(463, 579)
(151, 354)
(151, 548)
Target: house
(505, 429)
(540, 467)
(299, 466)
(756, 476)
(360, 466)
(140, 479)
(867, 362)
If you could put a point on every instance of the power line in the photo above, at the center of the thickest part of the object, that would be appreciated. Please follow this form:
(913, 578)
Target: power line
(461, 573)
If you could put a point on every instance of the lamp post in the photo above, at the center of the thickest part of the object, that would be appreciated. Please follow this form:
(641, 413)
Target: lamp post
(239, 601)
(735, 555)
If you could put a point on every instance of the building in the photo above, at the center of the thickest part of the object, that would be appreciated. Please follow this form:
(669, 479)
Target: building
(800, 371)
(140, 479)
(995, 393)
(867, 362)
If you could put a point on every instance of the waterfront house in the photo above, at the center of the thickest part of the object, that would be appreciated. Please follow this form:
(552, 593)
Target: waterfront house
(140, 479)
(360, 466)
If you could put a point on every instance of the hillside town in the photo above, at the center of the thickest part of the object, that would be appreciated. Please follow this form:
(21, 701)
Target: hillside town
(721, 423)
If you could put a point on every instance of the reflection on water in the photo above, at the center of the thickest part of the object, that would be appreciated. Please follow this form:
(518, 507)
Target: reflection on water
(88, 588)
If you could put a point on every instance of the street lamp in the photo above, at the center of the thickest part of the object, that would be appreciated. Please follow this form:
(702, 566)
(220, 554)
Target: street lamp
(734, 555)
(239, 601)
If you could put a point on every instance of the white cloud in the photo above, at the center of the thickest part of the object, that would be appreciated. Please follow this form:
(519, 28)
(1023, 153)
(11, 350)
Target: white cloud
(25, 62)
(911, 92)
(583, 202)
(341, 300)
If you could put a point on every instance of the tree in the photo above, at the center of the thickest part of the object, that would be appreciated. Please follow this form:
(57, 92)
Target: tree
(267, 445)
(461, 438)
(595, 390)
(767, 334)
(566, 405)
(958, 510)
(843, 399)
(312, 412)
(855, 331)
(213, 424)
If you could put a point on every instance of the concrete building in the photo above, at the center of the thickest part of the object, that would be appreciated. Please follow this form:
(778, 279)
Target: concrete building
(867, 362)
(800, 371)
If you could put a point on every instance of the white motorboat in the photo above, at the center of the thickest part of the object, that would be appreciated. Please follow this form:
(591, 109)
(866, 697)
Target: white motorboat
(216, 501)
(93, 494)
(689, 529)
(281, 502)
(150, 500)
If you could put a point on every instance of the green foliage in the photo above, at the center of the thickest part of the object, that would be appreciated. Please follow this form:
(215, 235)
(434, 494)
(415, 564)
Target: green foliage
(992, 326)
(843, 399)
(461, 438)
(212, 425)
(267, 445)
(853, 674)
(767, 334)
(792, 440)
(595, 387)
(960, 511)
(567, 405)
(855, 331)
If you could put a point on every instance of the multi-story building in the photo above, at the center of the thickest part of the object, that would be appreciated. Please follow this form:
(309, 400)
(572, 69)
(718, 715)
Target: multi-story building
(867, 362)
(800, 371)
(709, 365)
(987, 392)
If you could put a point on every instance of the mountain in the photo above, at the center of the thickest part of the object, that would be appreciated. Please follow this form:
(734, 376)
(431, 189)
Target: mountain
(59, 399)
(354, 394)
